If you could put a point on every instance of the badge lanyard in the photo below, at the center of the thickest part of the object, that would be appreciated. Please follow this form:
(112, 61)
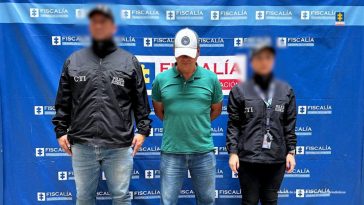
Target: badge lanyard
(267, 141)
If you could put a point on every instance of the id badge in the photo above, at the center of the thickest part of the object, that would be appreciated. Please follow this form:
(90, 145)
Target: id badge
(267, 141)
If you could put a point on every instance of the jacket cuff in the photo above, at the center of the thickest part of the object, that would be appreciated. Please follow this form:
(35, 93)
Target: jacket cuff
(291, 148)
(233, 151)
(146, 133)
(60, 134)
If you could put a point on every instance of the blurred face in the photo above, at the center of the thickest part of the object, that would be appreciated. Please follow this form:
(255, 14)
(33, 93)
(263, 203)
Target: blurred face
(263, 62)
(186, 60)
(101, 27)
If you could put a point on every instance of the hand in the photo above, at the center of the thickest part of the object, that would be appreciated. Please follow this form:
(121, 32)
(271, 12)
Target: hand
(290, 163)
(137, 143)
(234, 163)
(65, 144)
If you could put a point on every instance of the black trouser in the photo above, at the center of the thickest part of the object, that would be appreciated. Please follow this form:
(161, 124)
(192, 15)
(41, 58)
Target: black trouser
(260, 182)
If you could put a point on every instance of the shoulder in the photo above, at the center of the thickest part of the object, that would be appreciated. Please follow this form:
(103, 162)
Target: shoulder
(167, 74)
(238, 89)
(207, 73)
(81, 53)
(125, 56)
(283, 86)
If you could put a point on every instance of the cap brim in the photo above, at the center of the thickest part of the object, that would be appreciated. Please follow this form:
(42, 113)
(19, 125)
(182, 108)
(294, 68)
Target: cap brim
(191, 52)
(98, 11)
(260, 50)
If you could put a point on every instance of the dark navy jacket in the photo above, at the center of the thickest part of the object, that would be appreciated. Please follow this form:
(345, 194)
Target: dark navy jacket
(96, 98)
(247, 123)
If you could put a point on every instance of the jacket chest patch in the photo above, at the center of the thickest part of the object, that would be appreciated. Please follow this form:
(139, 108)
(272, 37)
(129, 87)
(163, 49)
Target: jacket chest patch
(248, 110)
(279, 108)
(81, 78)
(118, 81)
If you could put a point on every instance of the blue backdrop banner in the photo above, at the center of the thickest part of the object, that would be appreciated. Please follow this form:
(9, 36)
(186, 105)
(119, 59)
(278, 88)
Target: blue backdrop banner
(320, 53)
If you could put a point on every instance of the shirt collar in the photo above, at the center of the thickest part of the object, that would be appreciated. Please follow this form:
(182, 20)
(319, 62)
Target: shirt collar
(195, 75)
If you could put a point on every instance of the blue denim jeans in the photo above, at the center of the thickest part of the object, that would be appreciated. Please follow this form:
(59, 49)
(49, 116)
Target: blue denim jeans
(173, 170)
(117, 164)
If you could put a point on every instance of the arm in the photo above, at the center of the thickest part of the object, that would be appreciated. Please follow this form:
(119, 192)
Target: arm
(216, 101)
(157, 99)
(141, 109)
(234, 121)
(289, 132)
(158, 109)
(290, 123)
(233, 128)
(215, 110)
(63, 106)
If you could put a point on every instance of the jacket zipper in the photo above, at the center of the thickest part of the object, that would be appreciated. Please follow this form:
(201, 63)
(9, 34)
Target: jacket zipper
(98, 98)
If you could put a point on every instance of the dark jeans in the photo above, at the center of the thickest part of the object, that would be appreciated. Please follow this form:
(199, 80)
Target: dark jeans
(260, 182)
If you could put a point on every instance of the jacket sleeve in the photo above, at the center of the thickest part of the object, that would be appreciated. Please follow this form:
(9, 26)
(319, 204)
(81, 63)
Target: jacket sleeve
(234, 121)
(63, 104)
(140, 101)
(290, 123)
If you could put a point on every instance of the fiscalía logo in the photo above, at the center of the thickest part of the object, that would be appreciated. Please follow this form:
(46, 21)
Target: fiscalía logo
(299, 173)
(249, 42)
(139, 14)
(156, 131)
(158, 42)
(273, 15)
(152, 174)
(54, 196)
(48, 13)
(295, 42)
(221, 151)
(44, 110)
(229, 193)
(65, 175)
(146, 194)
(211, 42)
(314, 150)
(70, 40)
(229, 15)
(315, 109)
(184, 15)
(50, 152)
(318, 15)
(302, 193)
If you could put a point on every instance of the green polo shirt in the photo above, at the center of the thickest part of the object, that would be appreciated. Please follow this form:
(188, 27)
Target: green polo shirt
(187, 107)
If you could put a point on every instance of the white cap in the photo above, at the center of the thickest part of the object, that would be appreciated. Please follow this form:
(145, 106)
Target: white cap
(186, 43)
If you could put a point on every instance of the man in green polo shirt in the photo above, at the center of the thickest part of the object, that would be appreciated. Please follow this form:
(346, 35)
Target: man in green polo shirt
(187, 98)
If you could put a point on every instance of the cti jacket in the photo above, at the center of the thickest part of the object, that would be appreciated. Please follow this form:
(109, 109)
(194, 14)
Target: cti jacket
(247, 123)
(97, 96)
